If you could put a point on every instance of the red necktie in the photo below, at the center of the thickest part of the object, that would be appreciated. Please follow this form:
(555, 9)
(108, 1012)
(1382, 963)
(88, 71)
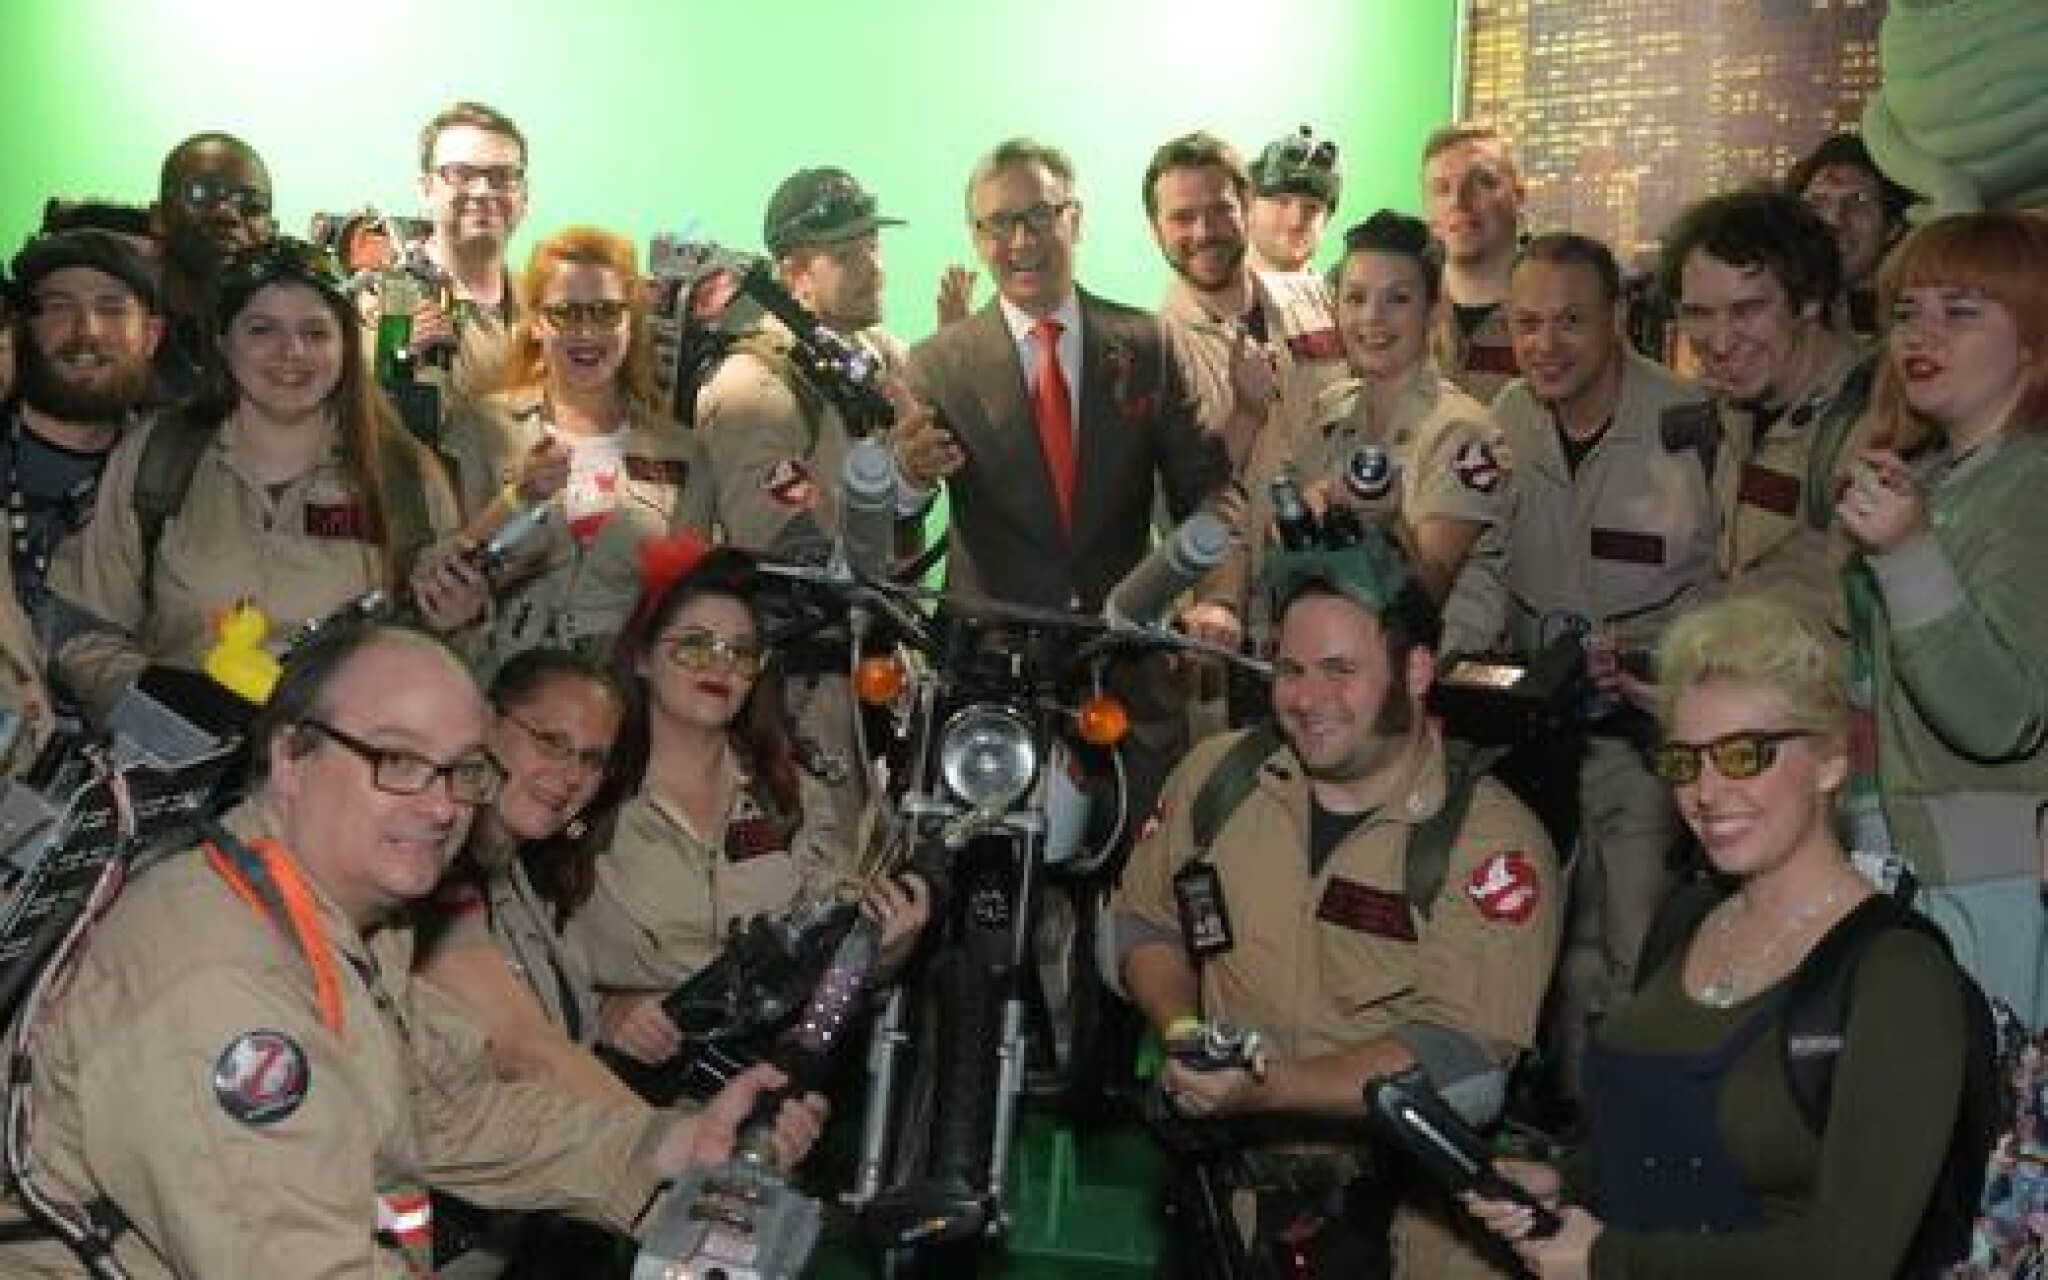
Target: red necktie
(1054, 410)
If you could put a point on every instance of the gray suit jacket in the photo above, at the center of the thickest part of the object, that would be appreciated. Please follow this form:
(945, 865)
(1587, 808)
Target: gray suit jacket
(1137, 429)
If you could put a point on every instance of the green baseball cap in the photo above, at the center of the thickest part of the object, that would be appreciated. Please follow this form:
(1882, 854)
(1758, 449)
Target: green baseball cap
(819, 206)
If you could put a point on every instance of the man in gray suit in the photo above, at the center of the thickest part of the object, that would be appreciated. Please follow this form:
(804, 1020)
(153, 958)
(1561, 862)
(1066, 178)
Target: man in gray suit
(1070, 410)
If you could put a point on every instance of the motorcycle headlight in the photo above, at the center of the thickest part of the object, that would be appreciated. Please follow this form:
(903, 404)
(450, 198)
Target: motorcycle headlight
(987, 756)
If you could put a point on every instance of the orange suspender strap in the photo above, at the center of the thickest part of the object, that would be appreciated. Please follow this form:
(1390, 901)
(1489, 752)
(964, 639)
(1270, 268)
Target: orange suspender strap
(263, 875)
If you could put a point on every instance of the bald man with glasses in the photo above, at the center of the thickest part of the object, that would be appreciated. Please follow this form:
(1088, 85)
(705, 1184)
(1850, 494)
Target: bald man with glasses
(286, 1094)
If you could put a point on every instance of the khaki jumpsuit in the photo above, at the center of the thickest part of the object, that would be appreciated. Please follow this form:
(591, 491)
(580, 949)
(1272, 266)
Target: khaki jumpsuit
(296, 551)
(558, 591)
(1625, 544)
(190, 1075)
(1330, 959)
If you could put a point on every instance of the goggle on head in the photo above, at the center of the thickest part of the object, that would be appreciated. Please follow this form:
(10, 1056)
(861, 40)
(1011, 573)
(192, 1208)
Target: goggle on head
(1364, 566)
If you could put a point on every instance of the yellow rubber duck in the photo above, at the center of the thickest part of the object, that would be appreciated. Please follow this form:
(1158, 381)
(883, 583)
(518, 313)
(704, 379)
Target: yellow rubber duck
(238, 661)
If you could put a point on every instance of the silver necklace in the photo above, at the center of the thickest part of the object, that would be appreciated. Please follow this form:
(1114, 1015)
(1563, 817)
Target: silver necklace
(1728, 986)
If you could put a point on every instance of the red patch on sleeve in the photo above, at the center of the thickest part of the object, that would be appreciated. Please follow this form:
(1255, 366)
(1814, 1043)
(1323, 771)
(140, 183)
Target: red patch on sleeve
(1476, 467)
(1505, 887)
(789, 484)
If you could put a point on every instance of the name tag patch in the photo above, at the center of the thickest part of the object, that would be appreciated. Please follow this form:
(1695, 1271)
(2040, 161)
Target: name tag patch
(1488, 357)
(1772, 490)
(669, 471)
(1364, 909)
(1628, 546)
(335, 520)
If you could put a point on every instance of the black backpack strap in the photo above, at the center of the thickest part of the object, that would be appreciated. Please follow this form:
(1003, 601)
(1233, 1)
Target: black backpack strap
(1678, 918)
(1817, 1000)
(1233, 778)
(1430, 843)
(162, 476)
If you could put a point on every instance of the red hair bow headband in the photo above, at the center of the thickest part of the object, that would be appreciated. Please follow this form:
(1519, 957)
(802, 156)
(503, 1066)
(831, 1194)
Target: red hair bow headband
(663, 562)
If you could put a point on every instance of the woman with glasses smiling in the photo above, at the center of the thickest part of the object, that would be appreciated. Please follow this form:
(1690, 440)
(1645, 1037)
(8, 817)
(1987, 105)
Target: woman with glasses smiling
(291, 487)
(575, 422)
(1699, 1162)
(721, 825)
(495, 936)
(501, 945)
(1448, 479)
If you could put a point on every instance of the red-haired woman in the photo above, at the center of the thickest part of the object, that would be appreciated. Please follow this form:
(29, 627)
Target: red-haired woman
(575, 420)
(1948, 607)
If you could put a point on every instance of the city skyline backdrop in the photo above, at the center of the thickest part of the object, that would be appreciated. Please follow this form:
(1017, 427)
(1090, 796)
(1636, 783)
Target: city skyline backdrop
(1623, 111)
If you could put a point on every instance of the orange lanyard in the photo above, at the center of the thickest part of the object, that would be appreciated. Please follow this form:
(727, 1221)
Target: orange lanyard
(268, 878)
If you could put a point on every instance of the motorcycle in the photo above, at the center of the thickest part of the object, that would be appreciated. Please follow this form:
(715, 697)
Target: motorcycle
(1008, 791)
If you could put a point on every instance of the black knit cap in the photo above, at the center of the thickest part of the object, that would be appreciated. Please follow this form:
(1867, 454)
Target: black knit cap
(101, 251)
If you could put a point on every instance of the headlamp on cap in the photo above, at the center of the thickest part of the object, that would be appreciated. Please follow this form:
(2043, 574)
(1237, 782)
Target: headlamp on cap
(1302, 162)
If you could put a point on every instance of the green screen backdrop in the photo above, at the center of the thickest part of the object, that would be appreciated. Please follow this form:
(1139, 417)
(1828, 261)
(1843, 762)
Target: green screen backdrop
(646, 115)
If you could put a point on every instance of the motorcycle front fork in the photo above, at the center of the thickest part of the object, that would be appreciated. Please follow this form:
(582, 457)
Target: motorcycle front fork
(888, 1077)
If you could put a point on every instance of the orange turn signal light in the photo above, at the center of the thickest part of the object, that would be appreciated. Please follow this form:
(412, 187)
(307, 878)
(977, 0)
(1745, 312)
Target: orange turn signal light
(1102, 721)
(878, 680)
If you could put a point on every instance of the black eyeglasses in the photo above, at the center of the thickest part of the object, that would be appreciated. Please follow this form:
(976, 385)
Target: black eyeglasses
(1736, 756)
(204, 191)
(598, 316)
(474, 779)
(499, 178)
(1039, 219)
(556, 748)
(281, 258)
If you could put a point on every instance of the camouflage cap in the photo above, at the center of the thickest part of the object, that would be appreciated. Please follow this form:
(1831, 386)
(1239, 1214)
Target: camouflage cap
(1301, 163)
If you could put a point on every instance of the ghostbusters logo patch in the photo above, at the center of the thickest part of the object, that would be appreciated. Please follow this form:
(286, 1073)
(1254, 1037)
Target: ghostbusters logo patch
(1476, 467)
(261, 1077)
(789, 484)
(1504, 887)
